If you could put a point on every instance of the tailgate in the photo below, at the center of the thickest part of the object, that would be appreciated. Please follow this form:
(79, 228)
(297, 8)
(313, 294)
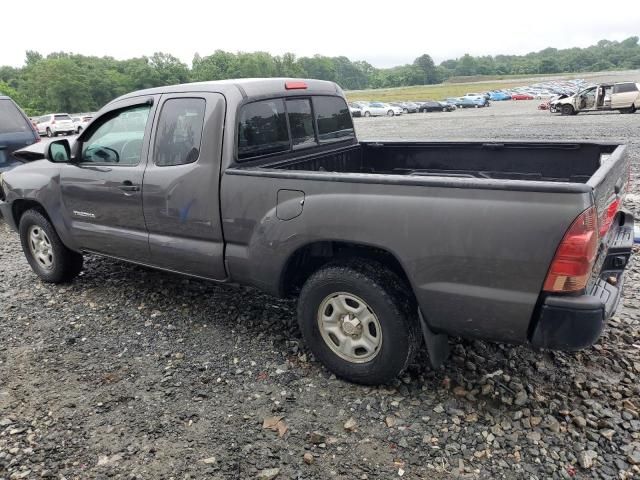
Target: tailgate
(609, 183)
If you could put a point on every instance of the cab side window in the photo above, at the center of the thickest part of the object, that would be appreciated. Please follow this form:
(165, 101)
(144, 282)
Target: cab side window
(118, 140)
(179, 132)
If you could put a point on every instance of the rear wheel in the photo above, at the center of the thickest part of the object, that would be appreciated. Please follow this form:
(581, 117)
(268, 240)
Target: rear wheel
(359, 322)
(444, 109)
(48, 257)
(367, 114)
(405, 110)
(79, 130)
(390, 113)
(567, 110)
(49, 132)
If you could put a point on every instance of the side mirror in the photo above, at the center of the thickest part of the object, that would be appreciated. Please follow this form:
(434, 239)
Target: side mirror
(58, 151)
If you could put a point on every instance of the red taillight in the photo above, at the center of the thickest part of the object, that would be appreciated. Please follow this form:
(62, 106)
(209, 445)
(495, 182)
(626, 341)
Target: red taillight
(297, 85)
(571, 266)
(606, 218)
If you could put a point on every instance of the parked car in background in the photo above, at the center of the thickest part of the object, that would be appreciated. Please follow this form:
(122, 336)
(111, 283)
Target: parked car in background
(16, 131)
(407, 107)
(447, 107)
(475, 96)
(499, 96)
(55, 123)
(433, 106)
(481, 102)
(522, 96)
(461, 102)
(80, 122)
(355, 110)
(377, 109)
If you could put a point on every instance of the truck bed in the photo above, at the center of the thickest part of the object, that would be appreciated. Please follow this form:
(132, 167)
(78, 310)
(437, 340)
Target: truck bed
(546, 162)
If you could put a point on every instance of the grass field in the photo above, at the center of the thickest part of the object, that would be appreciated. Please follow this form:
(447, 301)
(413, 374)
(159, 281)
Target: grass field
(458, 86)
(427, 92)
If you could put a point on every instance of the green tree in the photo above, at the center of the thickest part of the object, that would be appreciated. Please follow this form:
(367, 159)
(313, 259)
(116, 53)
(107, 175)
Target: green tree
(426, 69)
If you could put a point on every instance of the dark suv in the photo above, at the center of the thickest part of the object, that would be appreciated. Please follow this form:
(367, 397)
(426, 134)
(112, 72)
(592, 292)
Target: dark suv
(16, 131)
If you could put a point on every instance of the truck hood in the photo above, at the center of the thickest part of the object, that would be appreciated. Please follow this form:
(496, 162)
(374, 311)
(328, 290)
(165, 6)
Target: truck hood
(32, 152)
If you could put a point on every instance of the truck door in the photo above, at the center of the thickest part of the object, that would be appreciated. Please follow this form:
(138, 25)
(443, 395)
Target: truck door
(181, 185)
(623, 95)
(102, 188)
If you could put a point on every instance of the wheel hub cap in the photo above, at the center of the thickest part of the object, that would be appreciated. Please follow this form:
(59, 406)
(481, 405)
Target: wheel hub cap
(349, 327)
(40, 247)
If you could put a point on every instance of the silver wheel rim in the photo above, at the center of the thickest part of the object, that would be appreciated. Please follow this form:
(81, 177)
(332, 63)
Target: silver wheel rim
(349, 327)
(40, 247)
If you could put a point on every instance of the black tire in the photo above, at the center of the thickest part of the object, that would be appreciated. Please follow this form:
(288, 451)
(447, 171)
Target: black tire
(566, 110)
(390, 113)
(367, 114)
(66, 264)
(79, 130)
(49, 132)
(386, 295)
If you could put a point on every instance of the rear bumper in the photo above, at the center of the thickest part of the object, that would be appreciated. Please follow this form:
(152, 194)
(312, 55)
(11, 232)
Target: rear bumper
(575, 322)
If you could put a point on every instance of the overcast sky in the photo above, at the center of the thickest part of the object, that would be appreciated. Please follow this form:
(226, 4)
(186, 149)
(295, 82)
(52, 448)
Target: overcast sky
(384, 33)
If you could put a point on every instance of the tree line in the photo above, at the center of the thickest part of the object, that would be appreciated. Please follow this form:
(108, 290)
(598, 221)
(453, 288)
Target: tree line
(66, 82)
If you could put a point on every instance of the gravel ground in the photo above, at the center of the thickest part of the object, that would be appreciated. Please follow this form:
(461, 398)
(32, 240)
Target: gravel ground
(136, 374)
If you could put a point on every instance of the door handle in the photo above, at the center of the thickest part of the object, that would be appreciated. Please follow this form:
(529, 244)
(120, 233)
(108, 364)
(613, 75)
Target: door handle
(128, 186)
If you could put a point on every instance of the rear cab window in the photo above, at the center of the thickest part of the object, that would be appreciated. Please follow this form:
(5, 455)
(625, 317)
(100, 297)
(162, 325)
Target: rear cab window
(301, 122)
(333, 119)
(62, 117)
(11, 119)
(179, 131)
(281, 125)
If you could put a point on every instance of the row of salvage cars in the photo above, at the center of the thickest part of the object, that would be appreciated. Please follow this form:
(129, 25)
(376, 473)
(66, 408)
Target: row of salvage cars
(377, 109)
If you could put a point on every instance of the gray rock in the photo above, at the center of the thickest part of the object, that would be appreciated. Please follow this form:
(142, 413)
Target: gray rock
(268, 474)
(634, 457)
(586, 458)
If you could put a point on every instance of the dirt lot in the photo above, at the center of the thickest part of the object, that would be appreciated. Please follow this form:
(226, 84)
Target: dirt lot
(135, 374)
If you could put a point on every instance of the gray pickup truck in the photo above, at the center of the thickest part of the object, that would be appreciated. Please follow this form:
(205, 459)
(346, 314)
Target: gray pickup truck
(386, 244)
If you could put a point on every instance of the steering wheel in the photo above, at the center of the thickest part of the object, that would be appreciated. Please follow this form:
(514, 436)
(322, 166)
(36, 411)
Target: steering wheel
(106, 154)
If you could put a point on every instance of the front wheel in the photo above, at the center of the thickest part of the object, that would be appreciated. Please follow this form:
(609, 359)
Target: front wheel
(79, 130)
(390, 113)
(566, 110)
(49, 132)
(359, 322)
(48, 257)
(367, 114)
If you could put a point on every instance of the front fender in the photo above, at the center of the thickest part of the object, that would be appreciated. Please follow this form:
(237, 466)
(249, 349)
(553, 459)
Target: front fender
(38, 183)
